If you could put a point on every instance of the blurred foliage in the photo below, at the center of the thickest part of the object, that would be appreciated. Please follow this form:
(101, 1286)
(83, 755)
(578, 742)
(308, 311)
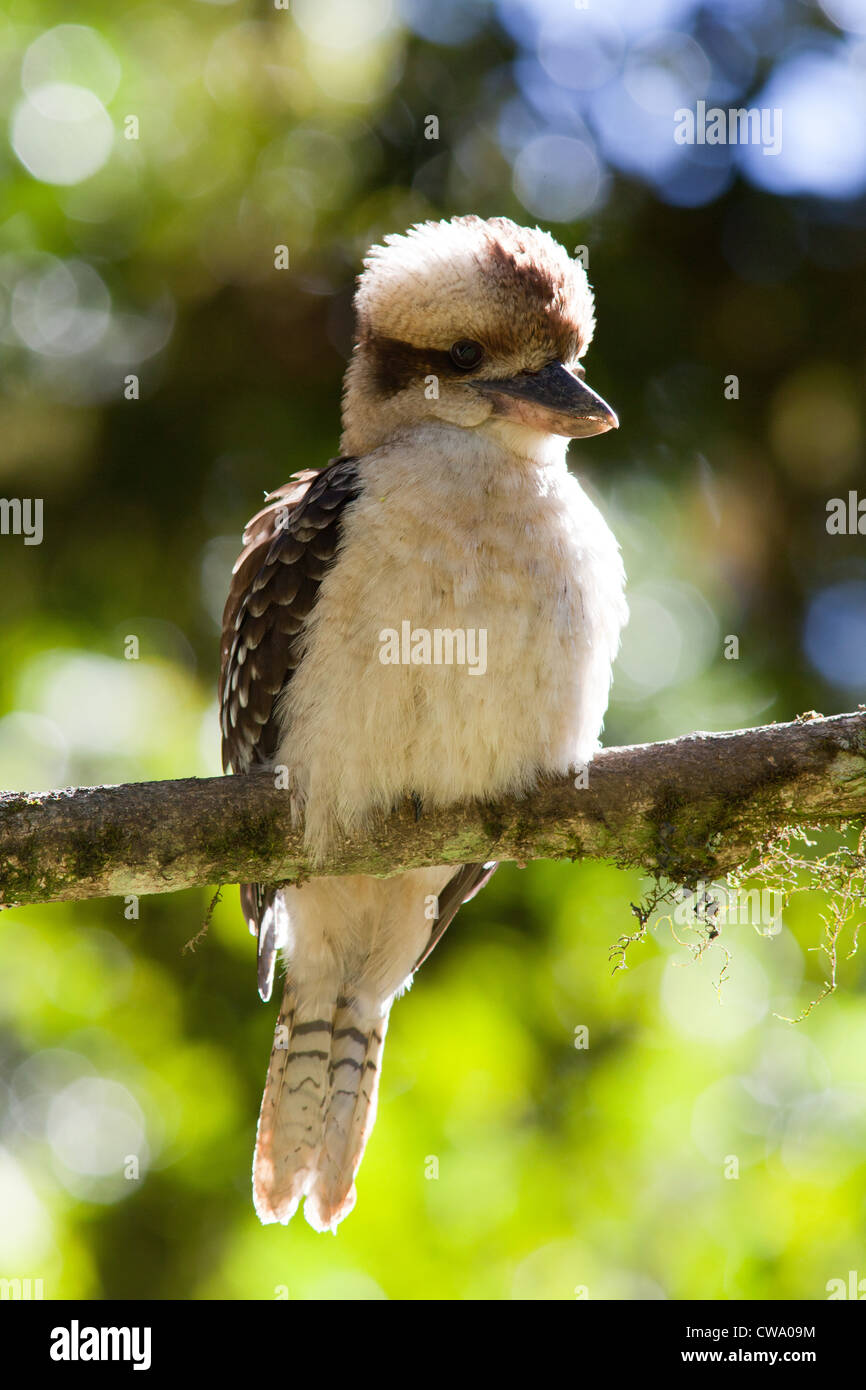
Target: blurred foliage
(559, 1167)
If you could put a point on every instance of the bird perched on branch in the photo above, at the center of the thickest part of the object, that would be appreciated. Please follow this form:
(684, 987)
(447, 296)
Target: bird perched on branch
(450, 511)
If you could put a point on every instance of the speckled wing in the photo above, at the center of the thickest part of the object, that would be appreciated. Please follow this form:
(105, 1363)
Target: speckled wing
(289, 546)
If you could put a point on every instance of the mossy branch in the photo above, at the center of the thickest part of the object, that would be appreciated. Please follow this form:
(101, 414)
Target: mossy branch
(692, 808)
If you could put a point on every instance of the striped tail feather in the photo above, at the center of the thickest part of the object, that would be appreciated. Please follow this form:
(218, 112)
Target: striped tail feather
(317, 1111)
(356, 1054)
(294, 1106)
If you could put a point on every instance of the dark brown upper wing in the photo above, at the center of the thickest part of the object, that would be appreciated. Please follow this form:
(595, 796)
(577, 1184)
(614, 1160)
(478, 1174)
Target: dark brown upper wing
(289, 546)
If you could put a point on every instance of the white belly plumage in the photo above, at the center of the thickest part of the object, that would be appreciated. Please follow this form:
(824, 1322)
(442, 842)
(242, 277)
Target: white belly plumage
(514, 570)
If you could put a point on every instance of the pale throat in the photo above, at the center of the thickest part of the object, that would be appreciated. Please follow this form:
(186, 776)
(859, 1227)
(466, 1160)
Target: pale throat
(536, 446)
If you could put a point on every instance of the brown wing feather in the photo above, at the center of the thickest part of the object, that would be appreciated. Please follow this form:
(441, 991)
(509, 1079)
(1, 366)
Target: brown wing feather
(289, 546)
(468, 880)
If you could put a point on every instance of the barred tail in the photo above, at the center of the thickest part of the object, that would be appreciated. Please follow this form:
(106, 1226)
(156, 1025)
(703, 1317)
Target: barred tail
(293, 1109)
(317, 1111)
(356, 1055)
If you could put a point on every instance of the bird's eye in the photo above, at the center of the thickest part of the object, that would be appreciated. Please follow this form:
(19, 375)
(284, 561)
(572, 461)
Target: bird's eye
(466, 354)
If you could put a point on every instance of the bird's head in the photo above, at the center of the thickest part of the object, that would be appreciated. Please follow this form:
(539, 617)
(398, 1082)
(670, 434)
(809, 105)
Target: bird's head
(473, 323)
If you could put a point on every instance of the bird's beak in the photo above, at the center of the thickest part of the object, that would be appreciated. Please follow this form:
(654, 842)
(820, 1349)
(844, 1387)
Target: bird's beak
(553, 400)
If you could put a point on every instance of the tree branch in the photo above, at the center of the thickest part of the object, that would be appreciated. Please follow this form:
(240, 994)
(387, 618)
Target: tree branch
(691, 808)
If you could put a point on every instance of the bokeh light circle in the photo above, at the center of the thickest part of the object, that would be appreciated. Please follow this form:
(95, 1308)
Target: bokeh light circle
(61, 133)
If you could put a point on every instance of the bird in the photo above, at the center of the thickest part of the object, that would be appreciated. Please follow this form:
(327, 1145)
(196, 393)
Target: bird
(450, 509)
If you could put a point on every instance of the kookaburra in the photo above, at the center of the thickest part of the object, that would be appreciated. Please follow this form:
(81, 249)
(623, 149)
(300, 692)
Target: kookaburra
(450, 510)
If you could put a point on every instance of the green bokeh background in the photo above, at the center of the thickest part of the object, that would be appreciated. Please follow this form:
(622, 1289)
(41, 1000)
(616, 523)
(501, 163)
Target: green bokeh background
(506, 1162)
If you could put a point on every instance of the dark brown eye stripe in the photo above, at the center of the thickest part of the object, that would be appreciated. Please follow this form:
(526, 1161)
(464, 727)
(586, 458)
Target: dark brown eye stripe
(396, 364)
